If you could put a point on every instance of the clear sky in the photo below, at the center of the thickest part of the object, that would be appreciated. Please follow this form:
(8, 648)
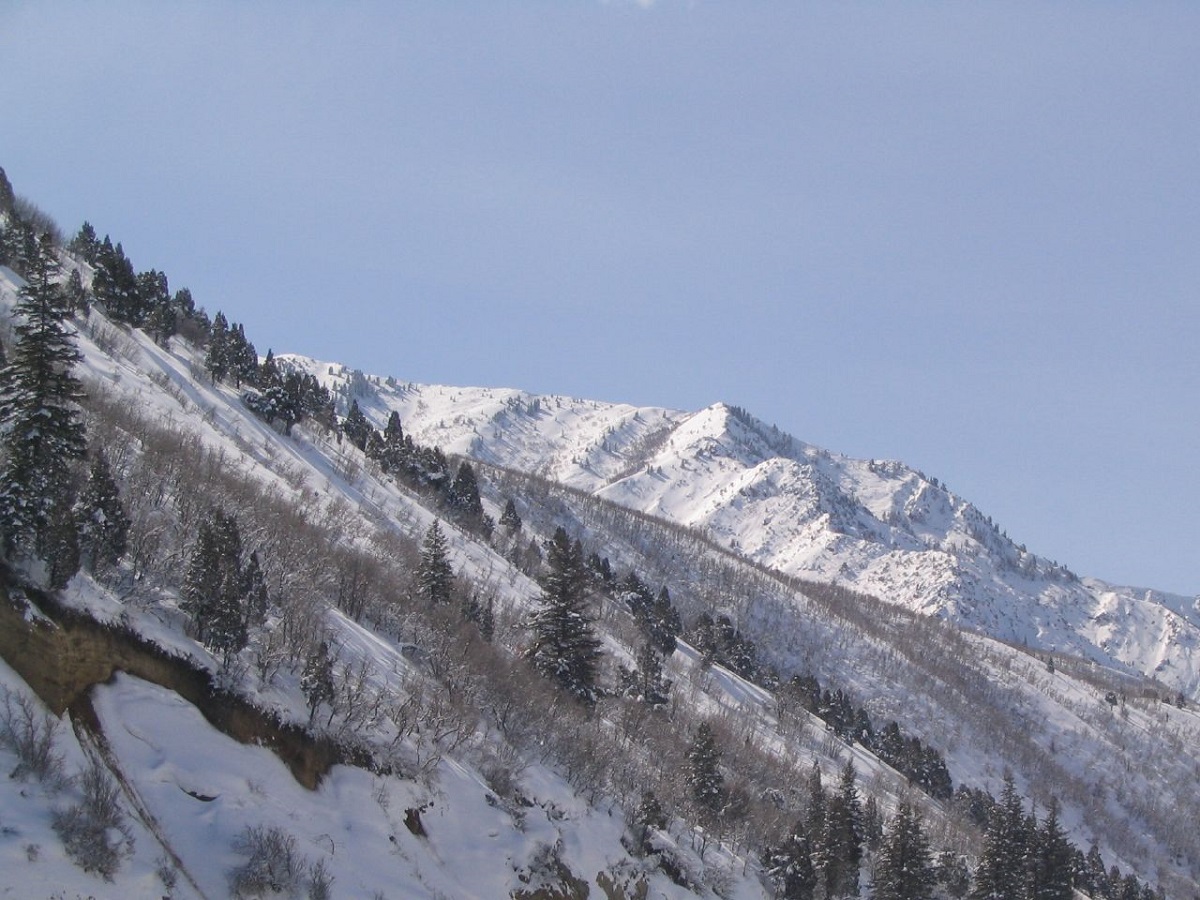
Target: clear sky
(966, 236)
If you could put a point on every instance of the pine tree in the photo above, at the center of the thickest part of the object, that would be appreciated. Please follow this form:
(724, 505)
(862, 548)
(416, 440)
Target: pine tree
(509, 520)
(43, 433)
(102, 521)
(646, 683)
(840, 853)
(1050, 860)
(255, 599)
(1002, 869)
(316, 681)
(435, 577)
(905, 868)
(791, 865)
(463, 498)
(216, 359)
(663, 623)
(702, 773)
(564, 645)
(213, 592)
(115, 285)
(356, 427)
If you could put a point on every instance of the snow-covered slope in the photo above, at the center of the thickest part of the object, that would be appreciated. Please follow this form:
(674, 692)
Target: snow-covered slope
(880, 527)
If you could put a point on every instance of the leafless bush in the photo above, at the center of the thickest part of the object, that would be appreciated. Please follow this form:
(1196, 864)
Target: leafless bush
(93, 831)
(30, 733)
(274, 866)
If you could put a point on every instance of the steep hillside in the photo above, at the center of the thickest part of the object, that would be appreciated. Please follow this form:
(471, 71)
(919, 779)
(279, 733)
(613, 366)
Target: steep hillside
(475, 774)
(879, 527)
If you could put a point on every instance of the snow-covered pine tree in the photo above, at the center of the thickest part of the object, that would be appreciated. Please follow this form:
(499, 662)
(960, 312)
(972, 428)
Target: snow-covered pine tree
(702, 773)
(1049, 859)
(216, 359)
(904, 870)
(435, 577)
(213, 586)
(1002, 868)
(43, 433)
(791, 865)
(356, 427)
(102, 520)
(840, 852)
(565, 647)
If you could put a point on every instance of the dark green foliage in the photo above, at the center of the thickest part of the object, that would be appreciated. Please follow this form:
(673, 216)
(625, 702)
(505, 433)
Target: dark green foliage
(115, 285)
(904, 870)
(647, 816)
(356, 427)
(1002, 872)
(953, 874)
(702, 773)
(216, 359)
(645, 683)
(509, 520)
(85, 244)
(43, 433)
(719, 641)
(564, 647)
(435, 577)
(840, 853)
(214, 586)
(790, 865)
(463, 497)
(1050, 860)
(102, 521)
(316, 681)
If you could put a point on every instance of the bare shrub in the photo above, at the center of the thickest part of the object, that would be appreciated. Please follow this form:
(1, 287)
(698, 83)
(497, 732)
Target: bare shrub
(30, 733)
(272, 866)
(93, 831)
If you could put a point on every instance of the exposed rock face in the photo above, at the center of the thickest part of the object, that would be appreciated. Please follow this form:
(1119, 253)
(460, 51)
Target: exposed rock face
(62, 654)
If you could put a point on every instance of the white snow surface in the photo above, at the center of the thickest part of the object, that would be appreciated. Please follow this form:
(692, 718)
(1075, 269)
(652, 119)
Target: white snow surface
(877, 526)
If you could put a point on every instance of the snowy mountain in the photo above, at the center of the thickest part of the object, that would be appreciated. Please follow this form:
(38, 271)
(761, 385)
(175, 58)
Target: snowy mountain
(876, 526)
(364, 741)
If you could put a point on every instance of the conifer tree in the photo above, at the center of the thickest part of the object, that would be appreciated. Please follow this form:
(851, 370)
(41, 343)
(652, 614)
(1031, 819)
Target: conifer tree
(509, 520)
(840, 852)
(564, 645)
(702, 773)
(645, 683)
(391, 459)
(1050, 860)
(356, 427)
(1002, 869)
(102, 521)
(316, 681)
(213, 592)
(435, 577)
(791, 865)
(42, 432)
(216, 359)
(904, 870)
(255, 599)
(464, 495)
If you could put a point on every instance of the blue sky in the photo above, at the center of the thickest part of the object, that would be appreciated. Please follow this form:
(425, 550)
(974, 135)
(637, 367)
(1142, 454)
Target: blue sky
(961, 235)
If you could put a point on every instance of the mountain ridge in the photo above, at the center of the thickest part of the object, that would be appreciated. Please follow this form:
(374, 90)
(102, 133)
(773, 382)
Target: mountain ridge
(878, 526)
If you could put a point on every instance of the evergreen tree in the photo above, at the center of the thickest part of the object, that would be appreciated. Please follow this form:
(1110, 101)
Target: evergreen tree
(648, 815)
(646, 683)
(216, 359)
(791, 865)
(840, 853)
(213, 593)
(42, 432)
(394, 454)
(85, 244)
(1050, 858)
(905, 868)
(664, 623)
(356, 427)
(463, 498)
(102, 521)
(702, 773)
(435, 577)
(564, 645)
(268, 372)
(316, 681)
(255, 599)
(509, 520)
(114, 284)
(1002, 870)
